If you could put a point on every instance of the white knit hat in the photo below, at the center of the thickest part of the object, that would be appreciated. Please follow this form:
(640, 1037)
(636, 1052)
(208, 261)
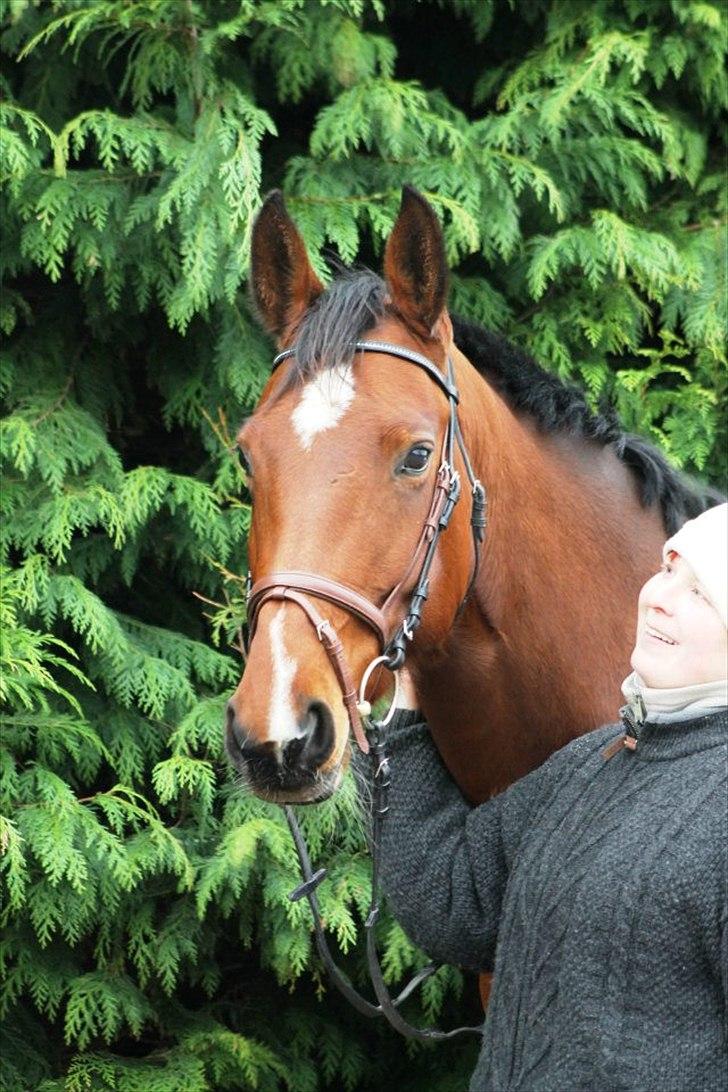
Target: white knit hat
(703, 542)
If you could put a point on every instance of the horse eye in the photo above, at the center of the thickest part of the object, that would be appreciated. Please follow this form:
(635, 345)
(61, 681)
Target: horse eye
(416, 460)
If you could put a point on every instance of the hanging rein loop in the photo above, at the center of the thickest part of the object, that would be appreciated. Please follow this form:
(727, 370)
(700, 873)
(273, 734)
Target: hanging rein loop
(295, 587)
(388, 1006)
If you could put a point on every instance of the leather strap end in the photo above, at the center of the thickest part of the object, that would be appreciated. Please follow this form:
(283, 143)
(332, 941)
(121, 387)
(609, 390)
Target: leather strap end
(618, 744)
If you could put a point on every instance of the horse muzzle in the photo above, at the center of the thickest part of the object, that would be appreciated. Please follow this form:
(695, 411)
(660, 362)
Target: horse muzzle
(297, 770)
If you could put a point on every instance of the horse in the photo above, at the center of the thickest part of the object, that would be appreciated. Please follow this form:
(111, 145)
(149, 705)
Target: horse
(342, 455)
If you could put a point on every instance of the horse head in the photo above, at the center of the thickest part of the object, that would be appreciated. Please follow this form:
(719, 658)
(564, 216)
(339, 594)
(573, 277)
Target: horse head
(344, 455)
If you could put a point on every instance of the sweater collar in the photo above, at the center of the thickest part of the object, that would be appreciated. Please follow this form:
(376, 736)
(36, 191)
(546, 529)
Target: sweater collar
(676, 739)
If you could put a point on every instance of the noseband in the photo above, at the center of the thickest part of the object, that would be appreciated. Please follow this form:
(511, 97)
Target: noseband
(295, 587)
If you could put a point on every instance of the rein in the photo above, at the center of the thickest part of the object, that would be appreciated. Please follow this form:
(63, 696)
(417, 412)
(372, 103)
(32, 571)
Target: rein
(295, 587)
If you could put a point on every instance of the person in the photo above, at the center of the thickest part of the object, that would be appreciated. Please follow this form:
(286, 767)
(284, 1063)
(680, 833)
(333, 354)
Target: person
(596, 887)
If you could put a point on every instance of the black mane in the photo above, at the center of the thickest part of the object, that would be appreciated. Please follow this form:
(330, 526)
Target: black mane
(356, 300)
(556, 406)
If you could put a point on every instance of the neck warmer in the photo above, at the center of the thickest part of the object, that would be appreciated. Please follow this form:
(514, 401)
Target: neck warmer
(676, 702)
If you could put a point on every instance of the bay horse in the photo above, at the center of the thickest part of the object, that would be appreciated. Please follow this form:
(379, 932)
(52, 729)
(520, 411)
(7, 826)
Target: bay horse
(342, 455)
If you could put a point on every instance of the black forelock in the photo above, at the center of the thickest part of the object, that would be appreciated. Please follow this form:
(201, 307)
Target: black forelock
(351, 306)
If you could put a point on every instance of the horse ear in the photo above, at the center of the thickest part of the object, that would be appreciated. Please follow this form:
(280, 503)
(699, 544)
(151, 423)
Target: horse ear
(415, 264)
(283, 282)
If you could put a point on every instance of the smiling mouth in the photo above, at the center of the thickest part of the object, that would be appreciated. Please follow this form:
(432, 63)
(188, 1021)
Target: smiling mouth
(659, 636)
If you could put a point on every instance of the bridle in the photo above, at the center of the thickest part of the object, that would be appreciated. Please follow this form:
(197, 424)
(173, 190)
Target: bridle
(296, 587)
(292, 586)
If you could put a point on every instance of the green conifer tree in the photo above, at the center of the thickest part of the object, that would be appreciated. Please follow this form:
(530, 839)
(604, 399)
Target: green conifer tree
(573, 152)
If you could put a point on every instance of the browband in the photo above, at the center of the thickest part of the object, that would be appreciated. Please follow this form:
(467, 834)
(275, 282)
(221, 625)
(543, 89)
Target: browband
(391, 350)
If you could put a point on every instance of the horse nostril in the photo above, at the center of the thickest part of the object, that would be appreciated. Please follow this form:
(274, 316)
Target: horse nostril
(233, 729)
(317, 729)
(276, 766)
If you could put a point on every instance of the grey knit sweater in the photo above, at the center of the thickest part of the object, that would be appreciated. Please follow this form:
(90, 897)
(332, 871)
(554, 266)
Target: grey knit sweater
(597, 891)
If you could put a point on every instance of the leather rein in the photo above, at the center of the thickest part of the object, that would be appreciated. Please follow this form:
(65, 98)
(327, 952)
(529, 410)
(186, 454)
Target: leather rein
(296, 587)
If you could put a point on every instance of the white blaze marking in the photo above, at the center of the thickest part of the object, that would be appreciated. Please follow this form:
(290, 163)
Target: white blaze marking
(283, 724)
(324, 402)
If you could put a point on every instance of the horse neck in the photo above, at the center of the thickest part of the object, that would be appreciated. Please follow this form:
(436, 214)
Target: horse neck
(528, 483)
(539, 653)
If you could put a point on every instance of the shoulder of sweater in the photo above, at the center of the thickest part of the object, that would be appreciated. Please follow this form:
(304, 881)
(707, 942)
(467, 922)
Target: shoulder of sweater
(588, 743)
(562, 764)
(406, 718)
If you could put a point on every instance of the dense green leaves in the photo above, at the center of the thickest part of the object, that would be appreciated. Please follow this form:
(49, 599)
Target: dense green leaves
(573, 152)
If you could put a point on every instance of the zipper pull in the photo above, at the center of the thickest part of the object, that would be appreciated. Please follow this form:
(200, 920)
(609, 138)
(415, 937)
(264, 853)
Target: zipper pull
(633, 715)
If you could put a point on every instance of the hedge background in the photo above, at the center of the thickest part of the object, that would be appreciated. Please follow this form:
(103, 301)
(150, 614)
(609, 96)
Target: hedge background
(573, 152)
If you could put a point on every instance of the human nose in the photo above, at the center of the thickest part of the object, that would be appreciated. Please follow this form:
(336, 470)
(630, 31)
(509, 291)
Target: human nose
(661, 594)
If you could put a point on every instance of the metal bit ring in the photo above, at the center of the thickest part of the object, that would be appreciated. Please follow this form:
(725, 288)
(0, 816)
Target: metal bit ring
(363, 705)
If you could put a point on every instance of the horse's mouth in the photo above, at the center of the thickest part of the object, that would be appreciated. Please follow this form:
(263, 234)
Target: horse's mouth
(310, 794)
(314, 791)
(301, 796)
(271, 775)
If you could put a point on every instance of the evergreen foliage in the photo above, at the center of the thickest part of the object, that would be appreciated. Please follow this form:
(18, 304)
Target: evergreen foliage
(573, 152)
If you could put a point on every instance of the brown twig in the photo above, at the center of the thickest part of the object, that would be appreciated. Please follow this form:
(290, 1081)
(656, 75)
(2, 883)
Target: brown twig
(59, 402)
(221, 431)
(705, 227)
(210, 602)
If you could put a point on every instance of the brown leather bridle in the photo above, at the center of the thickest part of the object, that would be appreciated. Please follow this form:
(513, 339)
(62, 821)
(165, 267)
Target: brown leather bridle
(296, 587)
